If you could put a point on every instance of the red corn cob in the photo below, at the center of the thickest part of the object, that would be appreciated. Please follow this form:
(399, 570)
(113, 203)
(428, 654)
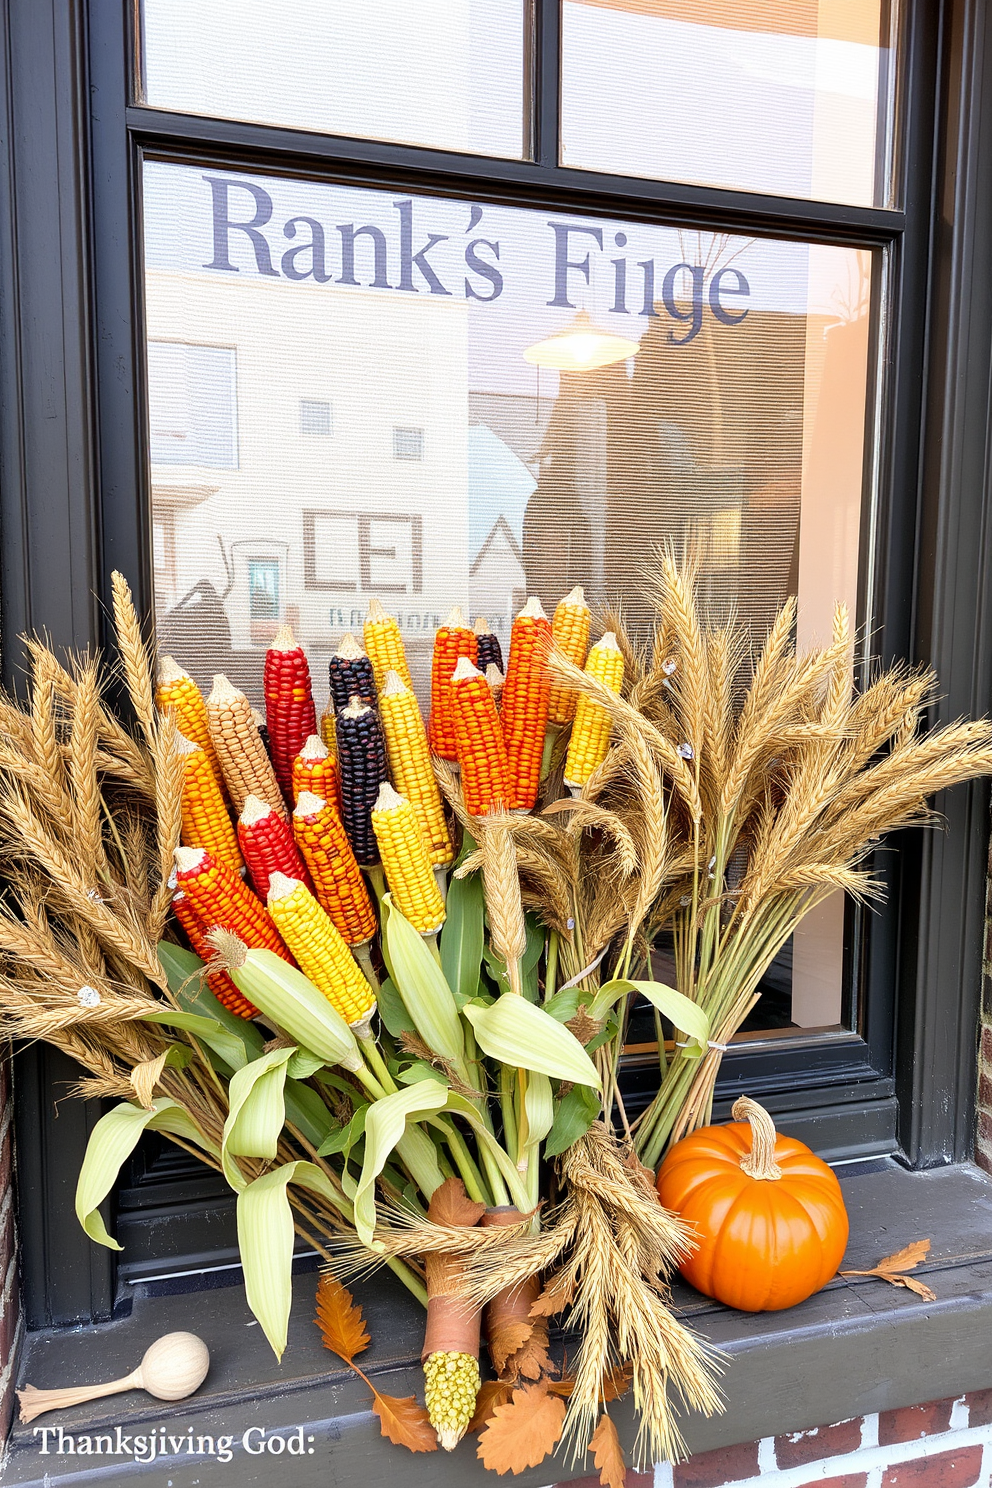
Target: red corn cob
(268, 846)
(481, 750)
(315, 770)
(453, 640)
(219, 982)
(338, 882)
(221, 898)
(289, 709)
(524, 711)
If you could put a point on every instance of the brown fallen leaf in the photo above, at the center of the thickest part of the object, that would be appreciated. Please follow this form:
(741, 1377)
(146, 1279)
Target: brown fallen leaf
(557, 1295)
(532, 1360)
(616, 1383)
(893, 1268)
(404, 1422)
(340, 1320)
(491, 1394)
(607, 1454)
(505, 1340)
(522, 1432)
(906, 1259)
(451, 1205)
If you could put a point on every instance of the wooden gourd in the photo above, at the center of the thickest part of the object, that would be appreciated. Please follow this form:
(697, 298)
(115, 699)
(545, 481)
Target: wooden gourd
(171, 1368)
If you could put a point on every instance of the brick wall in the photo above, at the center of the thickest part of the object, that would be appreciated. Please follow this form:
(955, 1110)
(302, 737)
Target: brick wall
(943, 1444)
(10, 1312)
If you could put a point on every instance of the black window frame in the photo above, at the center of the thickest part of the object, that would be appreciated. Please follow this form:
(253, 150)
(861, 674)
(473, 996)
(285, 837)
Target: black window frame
(75, 506)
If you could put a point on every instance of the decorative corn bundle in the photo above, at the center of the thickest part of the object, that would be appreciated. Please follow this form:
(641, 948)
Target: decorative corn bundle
(268, 845)
(247, 768)
(177, 690)
(570, 629)
(524, 713)
(205, 819)
(453, 640)
(315, 770)
(219, 982)
(490, 652)
(319, 949)
(222, 899)
(384, 643)
(289, 709)
(410, 767)
(406, 860)
(362, 769)
(350, 673)
(337, 878)
(326, 727)
(481, 750)
(591, 729)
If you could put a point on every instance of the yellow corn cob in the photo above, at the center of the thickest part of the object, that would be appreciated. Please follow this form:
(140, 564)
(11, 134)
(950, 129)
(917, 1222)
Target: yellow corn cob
(326, 727)
(234, 732)
(314, 770)
(205, 819)
(451, 1385)
(591, 730)
(321, 953)
(410, 768)
(406, 861)
(570, 630)
(177, 690)
(384, 644)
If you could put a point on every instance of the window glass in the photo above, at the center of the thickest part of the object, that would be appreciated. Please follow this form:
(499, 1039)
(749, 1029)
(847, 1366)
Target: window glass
(192, 398)
(523, 401)
(315, 417)
(444, 73)
(791, 97)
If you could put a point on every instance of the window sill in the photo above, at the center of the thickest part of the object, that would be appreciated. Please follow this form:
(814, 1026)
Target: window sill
(858, 1346)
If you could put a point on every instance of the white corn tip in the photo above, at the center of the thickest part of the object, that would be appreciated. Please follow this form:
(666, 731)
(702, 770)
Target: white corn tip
(281, 886)
(608, 642)
(376, 613)
(494, 676)
(356, 708)
(481, 626)
(309, 804)
(349, 649)
(576, 598)
(169, 670)
(184, 745)
(388, 799)
(532, 610)
(254, 810)
(188, 858)
(314, 749)
(224, 691)
(465, 668)
(456, 620)
(393, 685)
(284, 640)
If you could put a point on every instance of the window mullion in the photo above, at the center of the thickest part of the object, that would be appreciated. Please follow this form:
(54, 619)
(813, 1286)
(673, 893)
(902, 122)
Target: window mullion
(546, 75)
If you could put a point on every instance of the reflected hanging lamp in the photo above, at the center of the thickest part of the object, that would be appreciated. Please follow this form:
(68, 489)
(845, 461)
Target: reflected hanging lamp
(580, 348)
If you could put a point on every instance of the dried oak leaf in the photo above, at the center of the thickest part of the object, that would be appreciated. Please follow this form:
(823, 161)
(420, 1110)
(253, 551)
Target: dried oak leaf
(532, 1359)
(522, 1432)
(340, 1320)
(491, 1394)
(615, 1383)
(607, 1453)
(404, 1422)
(892, 1268)
(505, 1339)
(557, 1295)
(451, 1205)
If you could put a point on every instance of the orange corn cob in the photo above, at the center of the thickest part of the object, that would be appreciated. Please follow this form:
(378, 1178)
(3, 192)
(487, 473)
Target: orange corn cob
(384, 643)
(315, 770)
(268, 845)
(222, 899)
(246, 766)
(327, 728)
(205, 819)
(289, 710)
(591, 728)
(219, 982)
(350, 673)
(406, 861)
(410, 768)
(524, 713)
(570, 629)
(453, 639)
(177, 690)
(337, 878)
(319, 949)
(490, 652)
(481, 750)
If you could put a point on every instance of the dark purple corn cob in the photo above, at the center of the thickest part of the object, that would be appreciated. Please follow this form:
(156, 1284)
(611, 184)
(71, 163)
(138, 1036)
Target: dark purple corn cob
(490, 652)
(350, 673)
(362, 767)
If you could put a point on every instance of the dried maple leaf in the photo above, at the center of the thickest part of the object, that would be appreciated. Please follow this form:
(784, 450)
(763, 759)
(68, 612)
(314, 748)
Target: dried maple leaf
(557, 1295)
(891, 1269)
(451, 1205)
(505, 1339)
(532, 1359)
(607, 1454)
(492, 1394)
(906, 1259)
(340, 1320)
(404, 1422)
(522, 1432)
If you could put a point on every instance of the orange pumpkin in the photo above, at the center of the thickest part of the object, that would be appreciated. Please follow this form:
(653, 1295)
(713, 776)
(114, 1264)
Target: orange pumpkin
(768, 1215)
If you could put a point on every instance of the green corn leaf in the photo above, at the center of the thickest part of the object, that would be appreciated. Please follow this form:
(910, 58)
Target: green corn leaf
(463, 937)
(292, 1001)
(540, 1107)
(419, 1070)
(303, 1064)
(256, 1112)
(418, 1155)
(391, 1010)
(111, 1142)
(208, 1031)
(343, 1138)
(575, 1114)
(681, 1011)
(421, 985)
(523, 1036)
(385, 1128)
(188, 984)
(306, 1111)
(564, 1004)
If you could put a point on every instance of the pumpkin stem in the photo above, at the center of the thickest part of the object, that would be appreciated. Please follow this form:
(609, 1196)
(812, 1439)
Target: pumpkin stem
(760, 1161)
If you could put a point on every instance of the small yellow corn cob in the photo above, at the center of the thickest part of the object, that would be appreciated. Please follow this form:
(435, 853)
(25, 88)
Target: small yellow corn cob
(205, 822)
(321, 953)
(410, 768)
(451, 1385)
(234, 732)
(314, 770)
(591, 730)
(384, 644)
(326, 727)
(406, 861)
(177, 690)
(570, 630)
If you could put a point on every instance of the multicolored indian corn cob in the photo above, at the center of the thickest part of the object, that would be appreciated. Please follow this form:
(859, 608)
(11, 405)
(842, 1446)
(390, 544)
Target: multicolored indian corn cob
(406, 861)
(205, 820)
(290, 714)
(326, 727)
(362, 769)
(315, 770)
(524, 711)
(410, 768)
(350, 673)
(222, 899)
(454, 639)
(319, 949)
(570, 630)
(247, 768)
(337, 878)
(481, 750)
(490, 652)
(384, 643)
(591, 728)
(219, 982)
(177, 690)
(268, 845)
